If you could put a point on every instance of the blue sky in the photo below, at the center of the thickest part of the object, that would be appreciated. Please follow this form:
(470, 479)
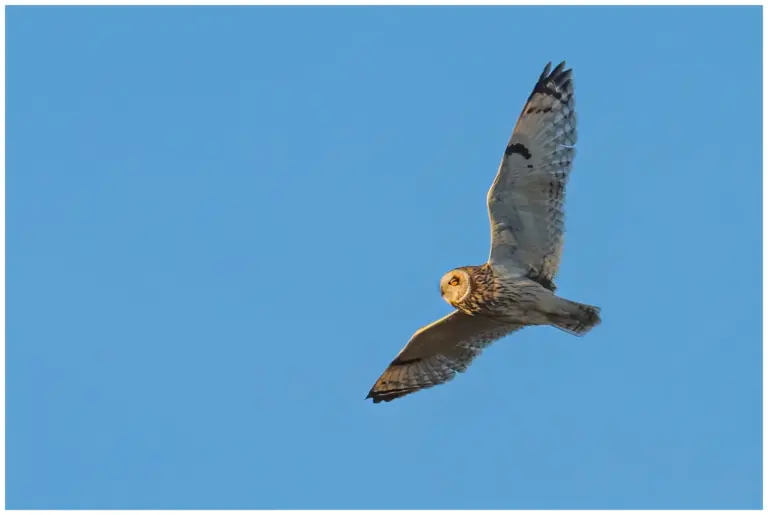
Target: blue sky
(223, 223)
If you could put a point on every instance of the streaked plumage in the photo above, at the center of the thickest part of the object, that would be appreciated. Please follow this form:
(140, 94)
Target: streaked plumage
(516, 286)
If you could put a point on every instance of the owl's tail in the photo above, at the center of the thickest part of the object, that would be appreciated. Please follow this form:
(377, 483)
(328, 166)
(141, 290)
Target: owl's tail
(572, 317)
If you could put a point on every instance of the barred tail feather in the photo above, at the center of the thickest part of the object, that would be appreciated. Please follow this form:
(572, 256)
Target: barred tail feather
(577, 319)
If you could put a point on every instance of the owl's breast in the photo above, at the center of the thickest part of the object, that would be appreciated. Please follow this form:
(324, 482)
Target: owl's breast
(511, 300)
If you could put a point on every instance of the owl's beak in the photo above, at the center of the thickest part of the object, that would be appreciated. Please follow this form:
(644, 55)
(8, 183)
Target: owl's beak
(442, 292)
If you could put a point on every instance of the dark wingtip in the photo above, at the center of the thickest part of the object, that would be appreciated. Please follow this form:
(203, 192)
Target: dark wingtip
(387, 396)
(372, 395)
(545, 73)
(559, 76)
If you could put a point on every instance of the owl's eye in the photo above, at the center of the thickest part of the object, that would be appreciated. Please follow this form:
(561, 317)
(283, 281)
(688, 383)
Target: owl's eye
(454, 281)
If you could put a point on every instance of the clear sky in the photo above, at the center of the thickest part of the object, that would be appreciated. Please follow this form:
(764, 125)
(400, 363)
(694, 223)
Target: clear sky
(223, 223)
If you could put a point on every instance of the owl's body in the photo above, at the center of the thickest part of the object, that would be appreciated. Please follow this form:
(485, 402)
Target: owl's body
(515, 288)
(515, 300)
(507, 299)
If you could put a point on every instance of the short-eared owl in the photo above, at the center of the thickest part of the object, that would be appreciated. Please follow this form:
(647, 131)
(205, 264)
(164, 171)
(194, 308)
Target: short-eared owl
(515, 287)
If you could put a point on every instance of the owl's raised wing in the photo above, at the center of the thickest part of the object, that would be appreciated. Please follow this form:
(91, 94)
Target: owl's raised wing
(436, 353)
(525, 202)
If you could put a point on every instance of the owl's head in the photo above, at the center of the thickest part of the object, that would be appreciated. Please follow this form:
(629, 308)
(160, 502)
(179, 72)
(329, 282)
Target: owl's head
(455, 286)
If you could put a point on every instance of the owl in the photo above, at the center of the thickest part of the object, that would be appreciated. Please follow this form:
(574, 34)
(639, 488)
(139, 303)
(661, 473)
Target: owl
(515, 287)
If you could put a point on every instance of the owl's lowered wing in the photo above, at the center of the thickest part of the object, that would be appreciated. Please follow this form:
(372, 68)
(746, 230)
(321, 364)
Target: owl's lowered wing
(436, 353)
(525, 202)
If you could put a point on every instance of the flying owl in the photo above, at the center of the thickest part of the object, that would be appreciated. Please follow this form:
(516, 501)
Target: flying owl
(515, 287)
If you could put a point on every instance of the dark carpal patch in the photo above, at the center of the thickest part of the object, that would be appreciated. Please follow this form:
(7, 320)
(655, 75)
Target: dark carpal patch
(518, 148)
(404, 361)
(538, 110)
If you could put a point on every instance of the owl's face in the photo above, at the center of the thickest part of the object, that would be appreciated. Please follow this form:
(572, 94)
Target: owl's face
(455, 286)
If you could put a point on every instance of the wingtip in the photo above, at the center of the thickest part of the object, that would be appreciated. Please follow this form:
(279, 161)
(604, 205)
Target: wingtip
(546, 70)
(386, 396)
(559, 68)
(559, 75)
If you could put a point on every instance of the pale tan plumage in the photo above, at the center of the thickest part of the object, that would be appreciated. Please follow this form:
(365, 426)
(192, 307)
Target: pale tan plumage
(516, 286)
(427, 361)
